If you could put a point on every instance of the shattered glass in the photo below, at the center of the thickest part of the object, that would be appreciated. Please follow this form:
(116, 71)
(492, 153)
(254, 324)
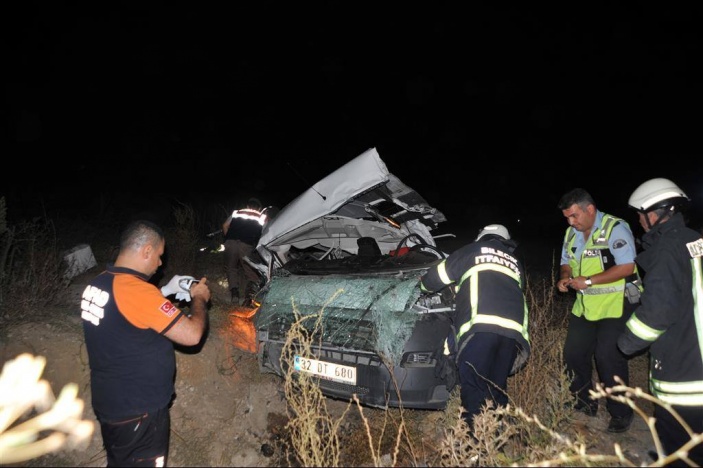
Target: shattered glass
(360, 313)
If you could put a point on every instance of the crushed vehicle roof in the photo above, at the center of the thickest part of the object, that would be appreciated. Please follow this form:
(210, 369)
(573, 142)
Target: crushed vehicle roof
(360, 199)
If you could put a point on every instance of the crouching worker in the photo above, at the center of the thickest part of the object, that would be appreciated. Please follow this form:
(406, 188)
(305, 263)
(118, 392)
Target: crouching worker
(490, 335)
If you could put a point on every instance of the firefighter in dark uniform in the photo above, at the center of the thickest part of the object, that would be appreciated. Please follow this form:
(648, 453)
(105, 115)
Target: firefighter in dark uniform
(242, 231)
(669, 319)
(490, 339)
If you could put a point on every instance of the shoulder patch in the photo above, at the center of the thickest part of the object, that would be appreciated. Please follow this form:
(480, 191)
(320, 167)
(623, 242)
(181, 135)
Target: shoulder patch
(619, 243)
(168, 308)
(695, 248)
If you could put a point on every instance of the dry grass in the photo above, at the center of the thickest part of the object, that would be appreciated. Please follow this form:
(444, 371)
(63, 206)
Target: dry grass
(535, 429)
(31, 270)
(313, 433)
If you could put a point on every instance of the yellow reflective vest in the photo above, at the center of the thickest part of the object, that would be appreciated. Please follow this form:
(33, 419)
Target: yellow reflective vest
(599, 301)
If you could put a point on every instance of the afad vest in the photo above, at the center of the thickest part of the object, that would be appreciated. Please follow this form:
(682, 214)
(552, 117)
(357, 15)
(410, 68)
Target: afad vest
(599, 301)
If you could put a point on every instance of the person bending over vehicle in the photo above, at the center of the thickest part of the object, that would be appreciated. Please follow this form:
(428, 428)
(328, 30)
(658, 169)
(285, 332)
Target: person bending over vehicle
(242, 231)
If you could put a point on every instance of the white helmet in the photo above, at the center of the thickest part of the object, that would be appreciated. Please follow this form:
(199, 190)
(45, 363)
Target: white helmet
(657, 193)
(496, 230)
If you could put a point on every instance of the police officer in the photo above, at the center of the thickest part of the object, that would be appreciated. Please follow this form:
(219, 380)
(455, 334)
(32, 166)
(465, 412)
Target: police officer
(242, 231)
(597, 261)
(669, 319)
(490, 339)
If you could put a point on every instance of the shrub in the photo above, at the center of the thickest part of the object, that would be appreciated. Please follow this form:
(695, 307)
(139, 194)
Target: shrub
(31, 268)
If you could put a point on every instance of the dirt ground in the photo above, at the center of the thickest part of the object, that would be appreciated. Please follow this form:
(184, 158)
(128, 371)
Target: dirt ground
(227, 413)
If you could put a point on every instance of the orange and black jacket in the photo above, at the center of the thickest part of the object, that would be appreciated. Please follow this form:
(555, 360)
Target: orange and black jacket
(132, 363)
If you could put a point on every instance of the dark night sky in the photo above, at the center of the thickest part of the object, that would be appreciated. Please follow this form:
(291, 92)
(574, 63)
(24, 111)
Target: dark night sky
(483, 109)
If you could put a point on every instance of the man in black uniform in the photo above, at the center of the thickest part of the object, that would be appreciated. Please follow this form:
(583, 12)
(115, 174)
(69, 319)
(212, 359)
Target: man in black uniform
(669, 319)
(242, 231)
(490, 340)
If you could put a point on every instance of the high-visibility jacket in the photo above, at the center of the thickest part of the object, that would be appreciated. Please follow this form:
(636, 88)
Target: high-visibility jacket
(246, 225)
(669, 318)
(489, 285)
(600, 300)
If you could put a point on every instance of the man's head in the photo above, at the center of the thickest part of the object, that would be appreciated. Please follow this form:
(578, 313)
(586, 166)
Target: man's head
(141, 246)
(254, 204)
(493, 231)
(656, 200)
(579, 209)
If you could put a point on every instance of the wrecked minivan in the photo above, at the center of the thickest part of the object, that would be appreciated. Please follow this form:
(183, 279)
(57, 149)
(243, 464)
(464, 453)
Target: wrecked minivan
(350, 251)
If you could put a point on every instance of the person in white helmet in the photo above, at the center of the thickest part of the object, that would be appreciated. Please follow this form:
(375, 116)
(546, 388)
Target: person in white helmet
(598, 263)
(669, 319)
(490, 338)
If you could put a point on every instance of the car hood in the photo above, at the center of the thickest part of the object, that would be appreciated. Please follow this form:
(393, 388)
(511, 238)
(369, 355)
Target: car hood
(360, 199)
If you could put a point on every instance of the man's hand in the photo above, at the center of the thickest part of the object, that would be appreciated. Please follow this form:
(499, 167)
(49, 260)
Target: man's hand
(563, 284)
(200, 290)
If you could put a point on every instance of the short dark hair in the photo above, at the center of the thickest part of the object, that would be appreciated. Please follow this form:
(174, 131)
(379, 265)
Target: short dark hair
(577, 196)
(139, 233)
(254, 203)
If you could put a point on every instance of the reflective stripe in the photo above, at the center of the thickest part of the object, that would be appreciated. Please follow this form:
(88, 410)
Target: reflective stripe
(594, 291)
(697, 291)
(472, 275)
(609, 221)
(679, 393)
(474, 297)
(490, 266)
(681, 400)
(641, 330)
(250, 214)
(442, 272)
(492, 320)
(695, 386)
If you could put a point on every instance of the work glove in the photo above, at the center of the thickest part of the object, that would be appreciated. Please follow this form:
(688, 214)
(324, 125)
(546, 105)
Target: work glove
(177, 285)
(185, 283)
(183, 296)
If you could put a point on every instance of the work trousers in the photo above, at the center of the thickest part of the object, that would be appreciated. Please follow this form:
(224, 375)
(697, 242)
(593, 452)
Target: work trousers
(484, 366)
(673, 436)
(587, 339)
(239, 272)
(139, 440)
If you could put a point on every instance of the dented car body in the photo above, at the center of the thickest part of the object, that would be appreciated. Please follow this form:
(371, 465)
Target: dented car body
(350, 252)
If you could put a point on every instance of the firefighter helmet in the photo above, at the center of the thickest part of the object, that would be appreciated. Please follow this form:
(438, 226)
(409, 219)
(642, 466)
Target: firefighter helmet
(658, 193)
(496, 230)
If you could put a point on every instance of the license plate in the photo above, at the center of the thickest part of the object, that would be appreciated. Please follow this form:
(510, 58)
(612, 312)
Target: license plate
(326, 370)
